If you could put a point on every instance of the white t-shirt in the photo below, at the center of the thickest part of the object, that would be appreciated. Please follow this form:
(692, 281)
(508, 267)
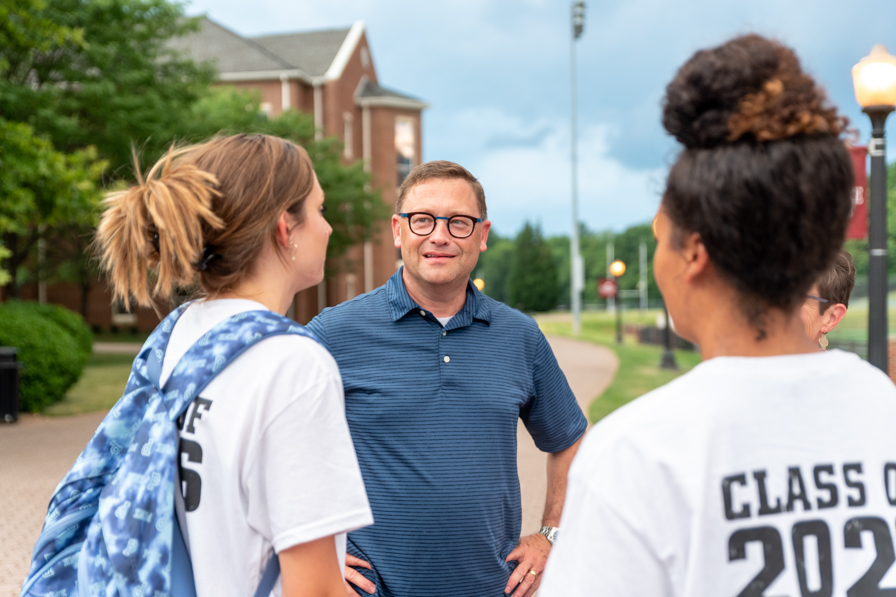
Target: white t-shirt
(776, 471)
(266, 458)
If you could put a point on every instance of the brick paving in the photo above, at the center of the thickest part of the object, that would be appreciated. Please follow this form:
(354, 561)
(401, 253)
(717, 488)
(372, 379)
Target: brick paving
(37, 451)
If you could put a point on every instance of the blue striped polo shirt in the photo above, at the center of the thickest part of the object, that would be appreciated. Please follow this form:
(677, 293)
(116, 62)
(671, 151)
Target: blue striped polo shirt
(433, 414)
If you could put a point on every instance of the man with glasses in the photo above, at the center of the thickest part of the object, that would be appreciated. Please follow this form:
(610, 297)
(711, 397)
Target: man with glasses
(436, 376)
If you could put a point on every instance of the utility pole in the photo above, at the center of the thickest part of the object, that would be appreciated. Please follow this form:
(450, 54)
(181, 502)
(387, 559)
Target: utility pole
(611, 302)
(642, 274)
(577, 281)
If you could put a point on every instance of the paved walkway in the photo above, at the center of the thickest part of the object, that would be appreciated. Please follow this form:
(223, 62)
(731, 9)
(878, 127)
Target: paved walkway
(589, 370)
(37, 451)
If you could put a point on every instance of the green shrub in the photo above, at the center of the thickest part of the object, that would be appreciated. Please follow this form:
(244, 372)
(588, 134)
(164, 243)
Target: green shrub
(70, 321)
(52, 356)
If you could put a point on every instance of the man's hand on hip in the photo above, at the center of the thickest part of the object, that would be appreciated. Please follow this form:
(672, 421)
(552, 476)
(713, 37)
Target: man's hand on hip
(531, 554)
(352, 575)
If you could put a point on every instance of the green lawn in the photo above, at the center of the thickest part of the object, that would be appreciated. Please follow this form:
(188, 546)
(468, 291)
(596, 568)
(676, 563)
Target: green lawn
(99, 388)
(854, 326)
(638, 371)
(120, 336)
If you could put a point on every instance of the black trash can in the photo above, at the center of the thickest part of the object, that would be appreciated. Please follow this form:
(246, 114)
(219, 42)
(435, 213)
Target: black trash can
(9, 384)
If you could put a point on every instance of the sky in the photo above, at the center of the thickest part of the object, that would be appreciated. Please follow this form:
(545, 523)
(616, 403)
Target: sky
(496, 74)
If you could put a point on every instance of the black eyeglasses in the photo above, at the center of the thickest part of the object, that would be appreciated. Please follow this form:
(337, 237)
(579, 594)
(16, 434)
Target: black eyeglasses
(817, 298)
(422, 224)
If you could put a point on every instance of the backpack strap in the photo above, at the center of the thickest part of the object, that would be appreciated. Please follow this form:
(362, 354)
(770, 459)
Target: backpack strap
(217, 349)
(269, 577)
(137, 512)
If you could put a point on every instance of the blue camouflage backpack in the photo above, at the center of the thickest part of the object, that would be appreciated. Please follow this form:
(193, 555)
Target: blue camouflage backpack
(111, 528)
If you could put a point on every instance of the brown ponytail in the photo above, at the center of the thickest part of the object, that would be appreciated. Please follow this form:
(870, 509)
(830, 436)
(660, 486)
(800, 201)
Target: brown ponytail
(203, 211)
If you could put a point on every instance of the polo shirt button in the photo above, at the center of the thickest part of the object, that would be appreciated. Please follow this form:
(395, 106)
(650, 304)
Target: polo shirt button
(447, 359)
(444, 333)
(422, 312)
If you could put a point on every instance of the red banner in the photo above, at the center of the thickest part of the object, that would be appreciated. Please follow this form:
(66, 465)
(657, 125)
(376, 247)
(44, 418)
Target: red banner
(858, 221)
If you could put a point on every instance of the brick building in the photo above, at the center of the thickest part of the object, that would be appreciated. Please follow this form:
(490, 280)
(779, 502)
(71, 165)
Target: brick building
(331, 75)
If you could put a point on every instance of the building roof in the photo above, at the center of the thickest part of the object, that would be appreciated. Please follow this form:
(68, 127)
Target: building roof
(312, 52)
(227, 50)
(371, 94)
(311, 56)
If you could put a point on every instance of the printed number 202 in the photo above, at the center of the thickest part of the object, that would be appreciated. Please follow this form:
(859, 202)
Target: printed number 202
(773, 550)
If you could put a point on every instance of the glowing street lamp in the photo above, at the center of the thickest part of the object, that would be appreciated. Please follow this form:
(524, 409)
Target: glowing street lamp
(617, 268)
(874, 79)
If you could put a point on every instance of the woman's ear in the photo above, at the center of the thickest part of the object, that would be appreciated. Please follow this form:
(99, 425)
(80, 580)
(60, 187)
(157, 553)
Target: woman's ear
(832, 317)
(695, 256)
(281, 232)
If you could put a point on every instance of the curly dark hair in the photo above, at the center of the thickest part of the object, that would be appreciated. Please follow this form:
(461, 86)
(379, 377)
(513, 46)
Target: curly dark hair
(764, 177)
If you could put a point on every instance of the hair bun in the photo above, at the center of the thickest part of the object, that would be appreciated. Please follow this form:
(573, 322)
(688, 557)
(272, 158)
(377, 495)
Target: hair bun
(750, 88)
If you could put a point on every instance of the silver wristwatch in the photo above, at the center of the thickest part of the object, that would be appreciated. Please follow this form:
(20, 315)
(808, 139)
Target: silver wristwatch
(550, 533)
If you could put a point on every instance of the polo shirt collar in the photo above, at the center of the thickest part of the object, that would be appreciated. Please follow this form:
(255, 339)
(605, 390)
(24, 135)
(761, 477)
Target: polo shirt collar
(401, 303)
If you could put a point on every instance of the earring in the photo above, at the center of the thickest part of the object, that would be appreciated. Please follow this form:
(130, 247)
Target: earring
(294, 248)
(823, 341)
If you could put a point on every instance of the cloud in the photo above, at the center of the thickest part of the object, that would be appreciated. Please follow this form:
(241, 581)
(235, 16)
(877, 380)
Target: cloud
(517, 140)
(531, 181)
(496, 73)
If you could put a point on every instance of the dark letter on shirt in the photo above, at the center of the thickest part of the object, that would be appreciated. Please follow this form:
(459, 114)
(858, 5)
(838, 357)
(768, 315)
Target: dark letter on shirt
(744, 511)
(763, 495)
(829, 487)
(854, 467)
(795, 477)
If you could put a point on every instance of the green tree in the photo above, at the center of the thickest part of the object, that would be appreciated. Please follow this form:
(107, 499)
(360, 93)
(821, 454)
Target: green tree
(494, 265)
(532, 280)
(98, 73)
(41, 188)
(352, 206)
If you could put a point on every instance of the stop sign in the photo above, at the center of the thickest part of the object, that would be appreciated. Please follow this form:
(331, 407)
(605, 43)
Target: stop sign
(607, 288)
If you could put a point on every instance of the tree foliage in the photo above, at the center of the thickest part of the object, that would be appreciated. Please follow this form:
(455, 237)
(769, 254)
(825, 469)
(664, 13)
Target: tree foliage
(98, 73)
(532, 279)
(40, 189)
(351, 206)
(84, 81)
(494, 265)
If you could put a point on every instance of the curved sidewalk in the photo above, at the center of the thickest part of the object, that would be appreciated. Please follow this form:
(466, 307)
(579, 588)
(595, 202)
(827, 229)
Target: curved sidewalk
(37, 451)
(589, 369)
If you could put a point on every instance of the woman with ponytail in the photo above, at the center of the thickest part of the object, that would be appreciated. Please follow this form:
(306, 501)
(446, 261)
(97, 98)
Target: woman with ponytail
(266, 463)
(770, 468)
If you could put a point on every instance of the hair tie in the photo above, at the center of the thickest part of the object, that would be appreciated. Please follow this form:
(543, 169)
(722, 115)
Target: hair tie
(208, 253)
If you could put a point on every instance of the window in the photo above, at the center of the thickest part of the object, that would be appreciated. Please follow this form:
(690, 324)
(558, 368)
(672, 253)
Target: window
(405, 147)
(348, 138)
(365, 58)
(121, 317)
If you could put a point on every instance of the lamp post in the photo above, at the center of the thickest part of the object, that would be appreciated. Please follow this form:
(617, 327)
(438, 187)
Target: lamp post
(667, 361)
(577, 274)
(617, 268)
(874, 79)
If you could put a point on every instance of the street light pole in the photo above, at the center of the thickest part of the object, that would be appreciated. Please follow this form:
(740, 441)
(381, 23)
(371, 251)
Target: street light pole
(576, 281)
(617, 268)
(877, 239)
(667, 361)
(874, 79)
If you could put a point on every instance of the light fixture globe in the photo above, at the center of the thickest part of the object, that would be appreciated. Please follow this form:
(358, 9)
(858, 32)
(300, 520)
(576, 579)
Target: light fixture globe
(874, 78)
(617, 268)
